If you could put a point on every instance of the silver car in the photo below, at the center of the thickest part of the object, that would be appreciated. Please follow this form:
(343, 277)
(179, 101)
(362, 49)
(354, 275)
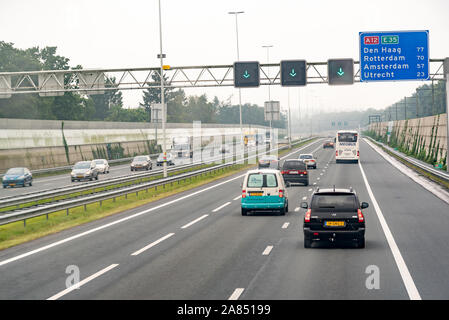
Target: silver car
(84, 170)
(103, 165)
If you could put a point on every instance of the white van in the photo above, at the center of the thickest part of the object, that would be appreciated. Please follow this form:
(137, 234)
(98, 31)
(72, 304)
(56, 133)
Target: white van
(264, 190)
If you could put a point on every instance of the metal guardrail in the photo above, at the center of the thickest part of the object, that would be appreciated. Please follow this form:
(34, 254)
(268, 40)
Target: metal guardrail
(72, 203)
(55, 191)
(51, 193)
(440, 174)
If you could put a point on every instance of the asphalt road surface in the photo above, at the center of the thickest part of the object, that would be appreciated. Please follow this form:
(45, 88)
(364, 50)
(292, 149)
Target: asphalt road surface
(196, 245)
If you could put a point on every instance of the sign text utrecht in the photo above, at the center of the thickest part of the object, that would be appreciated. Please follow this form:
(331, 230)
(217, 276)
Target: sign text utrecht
(396, 55)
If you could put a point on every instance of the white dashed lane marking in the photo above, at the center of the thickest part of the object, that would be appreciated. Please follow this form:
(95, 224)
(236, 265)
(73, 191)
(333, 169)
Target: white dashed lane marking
(236, 294)
(267, 250)
(285, 225)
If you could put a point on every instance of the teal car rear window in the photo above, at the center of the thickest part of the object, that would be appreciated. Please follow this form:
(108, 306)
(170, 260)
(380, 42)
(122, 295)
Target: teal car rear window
(262, 180)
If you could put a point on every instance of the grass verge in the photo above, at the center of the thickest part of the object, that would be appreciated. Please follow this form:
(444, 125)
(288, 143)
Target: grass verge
(16, 233)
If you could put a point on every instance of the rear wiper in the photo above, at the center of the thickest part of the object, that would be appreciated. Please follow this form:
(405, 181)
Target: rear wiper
(327, 207)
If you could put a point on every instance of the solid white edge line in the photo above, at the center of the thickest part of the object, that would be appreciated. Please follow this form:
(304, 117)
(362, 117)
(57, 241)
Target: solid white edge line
(285, 225)
(221, 207)
(83, 282)
(428, 185)
(152, 244)
(194, 221)
(236, 294)
(79, 235)
(296, 209)
(403, 270)
(236, 198)
(304, 198)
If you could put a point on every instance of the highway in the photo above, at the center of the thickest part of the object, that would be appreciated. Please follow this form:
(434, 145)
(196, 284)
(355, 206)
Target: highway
(196, 245)
(63, 180)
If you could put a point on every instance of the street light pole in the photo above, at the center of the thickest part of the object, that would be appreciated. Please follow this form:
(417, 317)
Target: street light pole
(269, 91)
(161, 56)
(235, 13)
(289, 131)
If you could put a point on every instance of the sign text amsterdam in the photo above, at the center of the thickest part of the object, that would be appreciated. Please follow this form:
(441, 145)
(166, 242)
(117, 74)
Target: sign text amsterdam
(396, 55)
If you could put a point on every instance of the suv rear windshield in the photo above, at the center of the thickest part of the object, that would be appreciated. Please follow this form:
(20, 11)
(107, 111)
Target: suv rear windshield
(305, 156)
(334, 202)
(294, 165)
(262, 180)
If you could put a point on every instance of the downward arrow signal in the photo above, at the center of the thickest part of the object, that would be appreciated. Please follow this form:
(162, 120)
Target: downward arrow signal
(246, 75)
(340, 72)
(293, 73)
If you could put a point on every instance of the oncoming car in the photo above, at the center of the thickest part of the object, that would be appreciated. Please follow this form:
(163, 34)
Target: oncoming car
(264, 190)
(141, 162)
(169, 159)
(334, 215)
(102, 165)
(84, 170)
(17, 177)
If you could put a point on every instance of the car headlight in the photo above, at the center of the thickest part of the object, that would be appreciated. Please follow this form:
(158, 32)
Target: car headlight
(72, 174)
(21, 177)
(87, 173)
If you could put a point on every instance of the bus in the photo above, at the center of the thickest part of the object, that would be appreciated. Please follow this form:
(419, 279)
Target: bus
(347, 146)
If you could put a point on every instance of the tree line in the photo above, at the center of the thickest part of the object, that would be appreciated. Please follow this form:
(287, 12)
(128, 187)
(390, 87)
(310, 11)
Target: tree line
(109, 106)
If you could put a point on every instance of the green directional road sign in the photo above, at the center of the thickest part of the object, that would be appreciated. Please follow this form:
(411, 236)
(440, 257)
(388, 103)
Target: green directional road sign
(246, 74)
(340, 71)
(293, 73)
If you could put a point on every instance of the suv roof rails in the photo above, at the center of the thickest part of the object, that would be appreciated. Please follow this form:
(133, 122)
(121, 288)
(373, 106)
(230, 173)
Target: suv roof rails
(351, 189)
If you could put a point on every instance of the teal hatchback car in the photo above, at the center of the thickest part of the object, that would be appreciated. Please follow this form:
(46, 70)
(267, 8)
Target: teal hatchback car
(264, 190)
(17, 177)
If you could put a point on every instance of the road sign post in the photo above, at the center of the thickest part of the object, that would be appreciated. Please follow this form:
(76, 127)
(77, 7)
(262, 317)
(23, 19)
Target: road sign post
(272, 109)
(395, 55)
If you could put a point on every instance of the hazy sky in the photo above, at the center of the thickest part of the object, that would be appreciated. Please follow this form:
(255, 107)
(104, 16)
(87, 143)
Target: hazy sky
(119, 33)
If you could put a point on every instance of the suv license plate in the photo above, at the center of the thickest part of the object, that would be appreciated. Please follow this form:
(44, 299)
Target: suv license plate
(256, 194)
(334, 223)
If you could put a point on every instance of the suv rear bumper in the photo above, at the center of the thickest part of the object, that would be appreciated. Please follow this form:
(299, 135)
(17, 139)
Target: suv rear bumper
(334, 233)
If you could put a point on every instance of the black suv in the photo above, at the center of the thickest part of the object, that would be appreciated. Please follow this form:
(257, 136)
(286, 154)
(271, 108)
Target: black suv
(334, 215)
(295, 171)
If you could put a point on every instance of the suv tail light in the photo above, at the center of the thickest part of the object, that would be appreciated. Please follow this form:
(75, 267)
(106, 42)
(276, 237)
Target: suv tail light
(307, 216)
(243, 193)
(304, 172)
(358, 155)
(281, 193)
(360, 215)
(336, 153)
(284, 172)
